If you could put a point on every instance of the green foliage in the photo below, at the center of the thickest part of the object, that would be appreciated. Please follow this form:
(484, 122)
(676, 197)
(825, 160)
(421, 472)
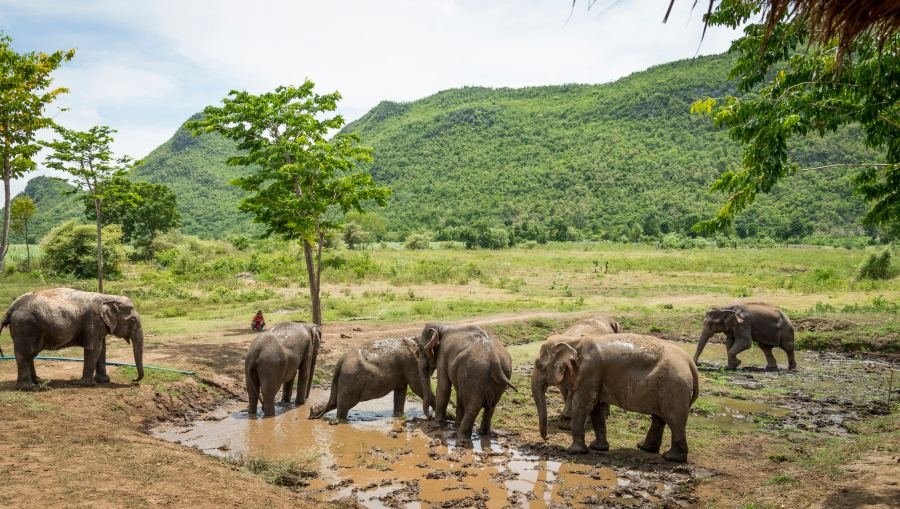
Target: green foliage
(354, 236)
(21, 210)
(26, 90)
(877, 266)
(144, 210)
(481, 234)
(56, 202)
(794, 89)
(416, 241)
(71, 249)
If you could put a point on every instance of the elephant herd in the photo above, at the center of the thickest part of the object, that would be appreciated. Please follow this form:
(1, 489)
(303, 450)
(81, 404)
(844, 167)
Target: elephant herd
(593, 363)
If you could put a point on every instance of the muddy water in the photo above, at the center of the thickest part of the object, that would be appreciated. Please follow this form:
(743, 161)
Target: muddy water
(380, 461)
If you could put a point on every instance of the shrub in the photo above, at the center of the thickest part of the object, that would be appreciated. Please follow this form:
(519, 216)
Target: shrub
(240, 242)
(417, 241)
(481, 234)
(877, 266)
(71, 248)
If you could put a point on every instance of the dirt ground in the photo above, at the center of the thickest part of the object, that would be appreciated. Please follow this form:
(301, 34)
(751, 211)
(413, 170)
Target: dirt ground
(89, 447)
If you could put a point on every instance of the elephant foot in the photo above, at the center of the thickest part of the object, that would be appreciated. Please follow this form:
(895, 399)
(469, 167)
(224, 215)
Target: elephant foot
(27, 386)
(102, 379)
(771, 368)
(676, 456)
(648, 448)
(485, 432)
(600, 445)
(86, 382)
(577, 448)
(792, 367)
(300, 401)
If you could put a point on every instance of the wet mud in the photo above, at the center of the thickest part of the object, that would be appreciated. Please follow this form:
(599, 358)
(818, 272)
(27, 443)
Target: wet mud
(379, 461)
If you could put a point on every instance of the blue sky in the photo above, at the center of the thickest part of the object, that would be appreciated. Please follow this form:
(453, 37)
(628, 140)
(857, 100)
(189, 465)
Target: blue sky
(143, 67)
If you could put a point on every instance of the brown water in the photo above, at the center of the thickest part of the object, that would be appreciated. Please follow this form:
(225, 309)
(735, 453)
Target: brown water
(381, 461)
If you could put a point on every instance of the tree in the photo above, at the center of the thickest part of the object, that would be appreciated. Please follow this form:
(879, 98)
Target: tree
(21, 211)
(302, 183)
(143, 209)
(86, 156)
(796, 84)
(25, 92)
(69, 250)
(354, 235)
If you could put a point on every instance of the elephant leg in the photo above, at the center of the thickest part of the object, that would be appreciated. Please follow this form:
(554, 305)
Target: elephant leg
(253, 400)
(566, 416)
(101, 377)
(268, 388)
(460, 409)
(466, 423)
(787, 344)
(740, 344)
(36, 379)
(25, 378)
(286, 390)
(653, 441)
(771, 363)
(598, 421)
(679, 450)
(90, 364)
(582, 399)
(486, 417)
(399, 401)
(442, 399)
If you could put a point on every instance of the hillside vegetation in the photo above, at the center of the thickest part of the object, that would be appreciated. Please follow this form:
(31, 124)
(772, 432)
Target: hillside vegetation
(619, 161)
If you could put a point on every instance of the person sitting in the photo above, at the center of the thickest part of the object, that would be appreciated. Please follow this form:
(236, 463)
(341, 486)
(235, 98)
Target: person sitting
(258, 322)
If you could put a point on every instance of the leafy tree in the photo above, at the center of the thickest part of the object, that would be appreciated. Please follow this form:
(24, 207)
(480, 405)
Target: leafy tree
(86, 156)
(795, 85)
(143, 209)
(481, 234)
(21, 211)
(354, 236)
(417, 241)
(25, 92)
(69, 249)
(877, 266)
(302, 182)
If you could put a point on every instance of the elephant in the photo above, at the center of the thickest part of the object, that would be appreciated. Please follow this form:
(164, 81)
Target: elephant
(588, 328)
(371, 371)
(637, 373)
(742, 323)
(468, 359)
(277, 356)
(62, 317)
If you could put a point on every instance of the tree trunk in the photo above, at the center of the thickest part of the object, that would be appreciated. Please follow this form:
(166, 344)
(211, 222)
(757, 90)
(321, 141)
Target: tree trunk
(312, 271)
(27, 248)
(4, 234)
(99, 247)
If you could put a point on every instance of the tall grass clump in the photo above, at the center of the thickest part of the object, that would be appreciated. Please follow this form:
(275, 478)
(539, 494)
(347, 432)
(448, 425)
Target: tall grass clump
(877, 266)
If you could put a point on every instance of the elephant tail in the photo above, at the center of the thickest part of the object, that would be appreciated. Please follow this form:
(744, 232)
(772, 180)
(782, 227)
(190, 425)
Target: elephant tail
(332, 398)
(696, 385)
(499, 376)
(252, 377)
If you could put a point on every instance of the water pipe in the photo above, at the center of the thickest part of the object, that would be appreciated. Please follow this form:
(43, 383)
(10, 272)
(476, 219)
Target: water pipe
(108, 363)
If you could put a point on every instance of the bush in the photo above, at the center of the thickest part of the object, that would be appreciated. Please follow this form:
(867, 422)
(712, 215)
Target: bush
(417, 241)
(877, 266)
(480, 234)
(71, 248)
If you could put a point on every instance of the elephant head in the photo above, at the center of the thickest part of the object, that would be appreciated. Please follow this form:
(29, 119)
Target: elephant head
(557, 365)
(123, 321)
(718, 320)
(426, 354)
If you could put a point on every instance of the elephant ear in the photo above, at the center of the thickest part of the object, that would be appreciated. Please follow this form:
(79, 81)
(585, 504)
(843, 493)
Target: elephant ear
(564, 363)
(109, 313)
(733, 317)
(434, 341)
(315, 333)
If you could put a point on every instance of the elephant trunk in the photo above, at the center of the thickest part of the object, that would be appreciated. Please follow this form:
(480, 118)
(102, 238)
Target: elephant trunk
(137, 345)
(704, 337)
(538, 392)
(427, 395)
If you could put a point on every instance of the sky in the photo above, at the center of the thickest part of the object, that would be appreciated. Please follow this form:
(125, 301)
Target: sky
(144, 67)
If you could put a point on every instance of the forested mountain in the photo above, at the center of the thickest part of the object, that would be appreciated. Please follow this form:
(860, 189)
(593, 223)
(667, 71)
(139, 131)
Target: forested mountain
(590, 160)
(54, 202)
(556, 162)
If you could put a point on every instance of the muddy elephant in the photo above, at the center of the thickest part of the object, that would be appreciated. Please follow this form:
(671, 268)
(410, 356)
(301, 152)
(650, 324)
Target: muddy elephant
(278, 356)
(467, 359)
(742, 323)
(637, 373)
(60, 318)
(592, 327)
(372, 371)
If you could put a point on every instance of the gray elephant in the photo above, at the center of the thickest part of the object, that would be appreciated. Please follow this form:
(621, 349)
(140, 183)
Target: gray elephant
(60, 318)
(637, 373)
(592, 327)
(468, 359)
(278, 356)
(371, 371)
(742, 323)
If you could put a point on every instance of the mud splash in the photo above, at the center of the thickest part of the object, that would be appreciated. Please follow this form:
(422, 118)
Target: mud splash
(380, 461)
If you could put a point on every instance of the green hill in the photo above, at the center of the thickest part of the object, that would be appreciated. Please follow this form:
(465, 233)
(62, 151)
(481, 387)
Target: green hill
(589, 160)
(558, 162)
(54, 204)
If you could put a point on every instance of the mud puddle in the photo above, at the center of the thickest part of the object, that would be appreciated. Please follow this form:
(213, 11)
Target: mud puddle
(379, 461)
